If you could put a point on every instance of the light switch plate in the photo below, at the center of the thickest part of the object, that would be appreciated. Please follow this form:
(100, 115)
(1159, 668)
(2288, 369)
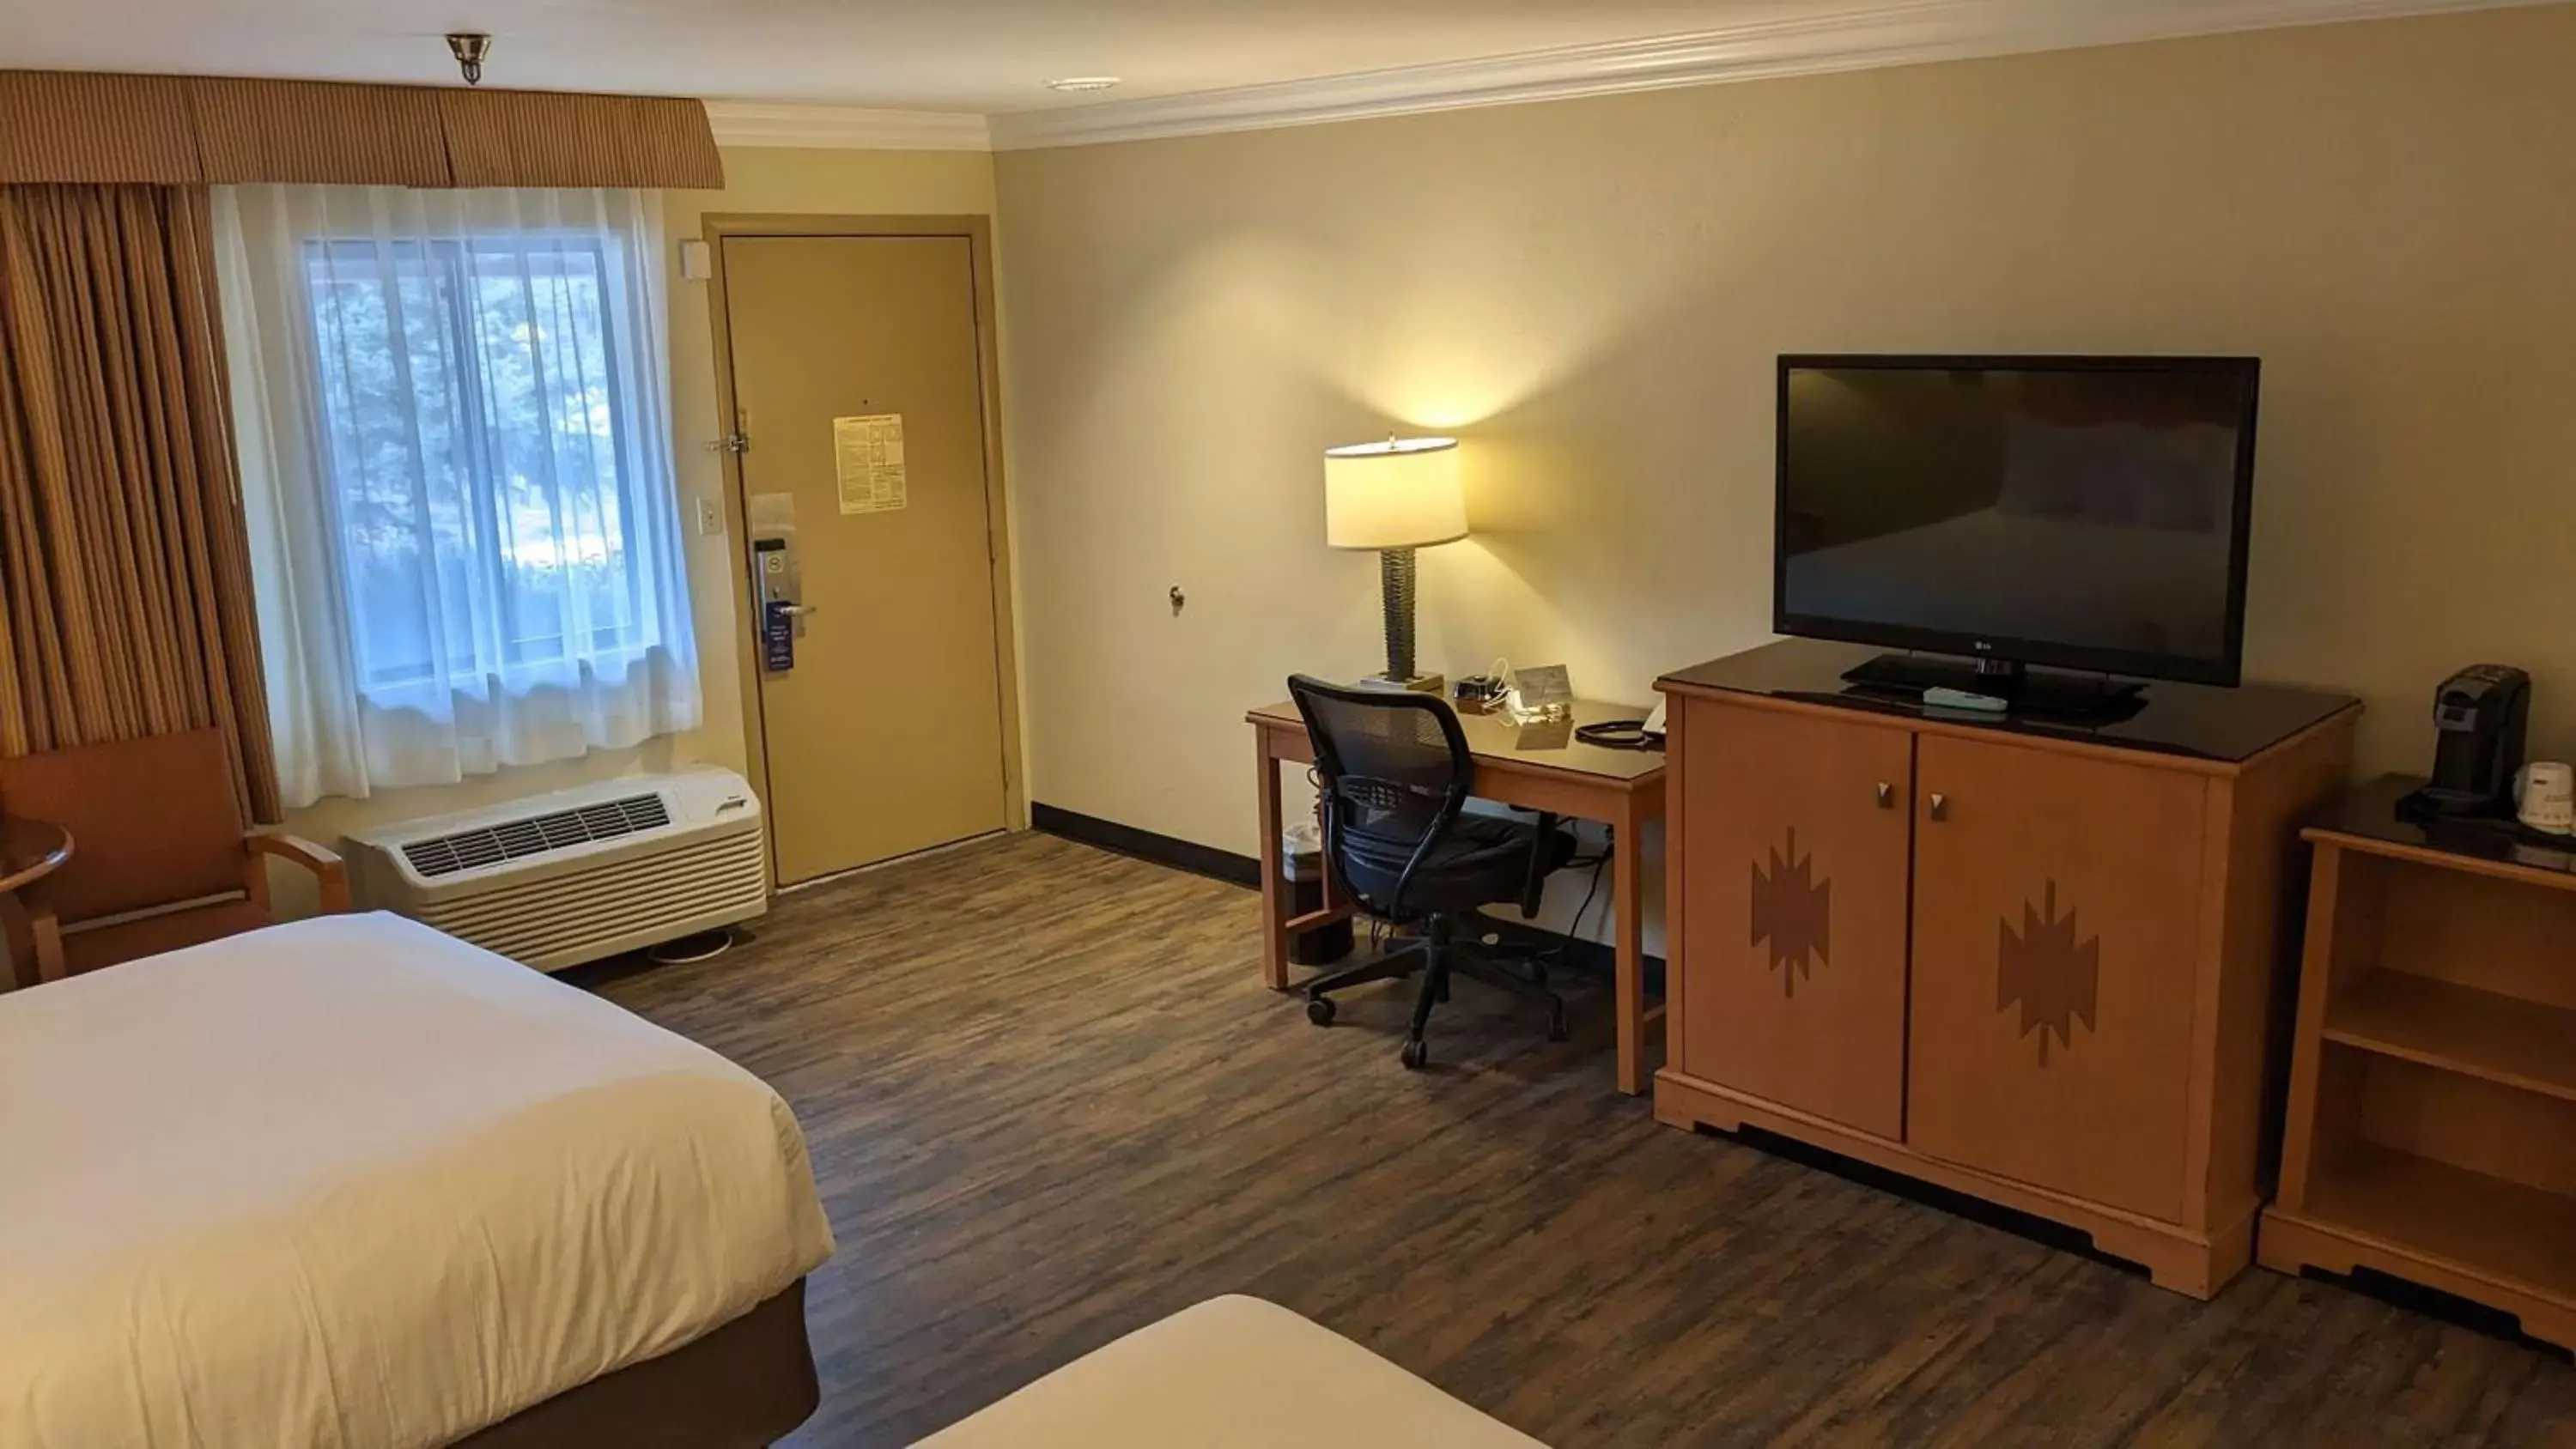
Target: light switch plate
(695, 266)
(710, 517)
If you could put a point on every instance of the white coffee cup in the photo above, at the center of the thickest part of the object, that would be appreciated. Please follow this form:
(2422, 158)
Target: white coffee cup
(2546, 796)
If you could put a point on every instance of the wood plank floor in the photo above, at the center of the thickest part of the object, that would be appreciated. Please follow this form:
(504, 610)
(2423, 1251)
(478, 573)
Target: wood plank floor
(1049, 1102)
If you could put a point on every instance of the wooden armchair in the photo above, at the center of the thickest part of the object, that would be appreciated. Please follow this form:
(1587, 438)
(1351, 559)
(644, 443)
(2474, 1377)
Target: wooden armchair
(161, 857)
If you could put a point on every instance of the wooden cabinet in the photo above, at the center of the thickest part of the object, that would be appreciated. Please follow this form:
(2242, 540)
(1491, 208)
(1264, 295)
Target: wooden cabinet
(2036, 968)
(2056, 909)
(1798, 991)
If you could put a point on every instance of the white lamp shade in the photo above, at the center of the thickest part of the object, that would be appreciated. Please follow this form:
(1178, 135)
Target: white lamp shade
(1402, 493)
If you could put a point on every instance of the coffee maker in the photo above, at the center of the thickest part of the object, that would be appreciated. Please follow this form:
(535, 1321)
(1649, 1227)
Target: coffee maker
(2480, 718)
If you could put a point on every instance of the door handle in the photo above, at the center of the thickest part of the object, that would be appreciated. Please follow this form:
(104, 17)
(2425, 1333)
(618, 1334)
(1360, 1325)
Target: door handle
(1940, 806)
(1886, 796)
(799, 611)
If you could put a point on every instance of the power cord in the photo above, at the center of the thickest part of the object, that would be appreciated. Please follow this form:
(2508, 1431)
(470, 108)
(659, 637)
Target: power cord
(1574, 928)
(1616, 734)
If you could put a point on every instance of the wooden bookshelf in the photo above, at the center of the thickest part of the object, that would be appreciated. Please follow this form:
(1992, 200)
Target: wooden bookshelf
(2431, 1125)
(2475, 1225)
(2509, 1040)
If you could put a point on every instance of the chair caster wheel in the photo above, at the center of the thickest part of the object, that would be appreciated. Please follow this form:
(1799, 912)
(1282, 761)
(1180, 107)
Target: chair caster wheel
(1556, 1027)
(1416, 1055)
(1319, 1010)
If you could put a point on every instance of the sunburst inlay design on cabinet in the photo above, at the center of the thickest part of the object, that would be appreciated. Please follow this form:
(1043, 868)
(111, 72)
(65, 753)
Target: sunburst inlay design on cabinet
(1794, 912)
(2042, 966)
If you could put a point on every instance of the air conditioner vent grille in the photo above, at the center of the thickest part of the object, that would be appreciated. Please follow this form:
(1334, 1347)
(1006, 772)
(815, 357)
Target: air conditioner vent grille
(446, 855)
(553, 922)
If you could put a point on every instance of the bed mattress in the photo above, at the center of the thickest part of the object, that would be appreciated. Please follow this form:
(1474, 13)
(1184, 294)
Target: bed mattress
(350, 1182)
(1237, 1372)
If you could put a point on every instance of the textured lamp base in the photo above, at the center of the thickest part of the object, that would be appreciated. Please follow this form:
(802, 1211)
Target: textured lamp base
(1396, 582)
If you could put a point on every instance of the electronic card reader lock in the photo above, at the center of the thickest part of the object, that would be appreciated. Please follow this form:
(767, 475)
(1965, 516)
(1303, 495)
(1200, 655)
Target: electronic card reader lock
(778, 590)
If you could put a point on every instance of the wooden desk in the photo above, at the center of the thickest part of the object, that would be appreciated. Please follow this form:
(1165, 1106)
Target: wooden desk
(1538, 767)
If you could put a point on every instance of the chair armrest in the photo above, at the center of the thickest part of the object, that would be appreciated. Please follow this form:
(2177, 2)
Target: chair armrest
(329, 871)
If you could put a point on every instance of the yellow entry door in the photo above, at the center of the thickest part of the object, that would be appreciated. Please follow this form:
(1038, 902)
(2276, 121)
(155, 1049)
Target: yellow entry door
(859, 402)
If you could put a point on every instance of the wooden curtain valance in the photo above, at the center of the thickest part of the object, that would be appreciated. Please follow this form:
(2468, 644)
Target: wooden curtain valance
(68, 126)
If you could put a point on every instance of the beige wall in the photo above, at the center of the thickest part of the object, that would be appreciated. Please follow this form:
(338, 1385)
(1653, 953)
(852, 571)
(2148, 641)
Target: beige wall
(756, 180)
(1592, 293)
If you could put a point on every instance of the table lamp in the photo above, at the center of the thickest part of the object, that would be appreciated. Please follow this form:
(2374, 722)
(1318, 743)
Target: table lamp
(1395, 497)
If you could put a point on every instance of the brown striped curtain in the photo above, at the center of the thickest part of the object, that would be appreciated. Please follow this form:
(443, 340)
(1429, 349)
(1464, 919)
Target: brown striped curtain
(125, 590)
(317, 132)
(63, 126)
(545, 138)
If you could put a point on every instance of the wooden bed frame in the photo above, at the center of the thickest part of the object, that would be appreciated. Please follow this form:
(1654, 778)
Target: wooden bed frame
(742, 1386)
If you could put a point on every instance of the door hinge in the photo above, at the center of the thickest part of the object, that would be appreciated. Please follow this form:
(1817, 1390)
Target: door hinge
(734, 443)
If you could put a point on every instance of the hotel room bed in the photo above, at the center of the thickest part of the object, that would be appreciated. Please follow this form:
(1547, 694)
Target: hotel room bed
(351, 1182)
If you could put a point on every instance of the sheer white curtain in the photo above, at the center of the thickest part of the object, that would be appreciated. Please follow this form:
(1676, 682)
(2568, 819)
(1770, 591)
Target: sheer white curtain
(454, 410)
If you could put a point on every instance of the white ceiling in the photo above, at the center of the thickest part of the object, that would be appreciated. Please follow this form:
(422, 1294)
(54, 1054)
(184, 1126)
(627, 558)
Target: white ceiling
(1189, 65)
(989, 56)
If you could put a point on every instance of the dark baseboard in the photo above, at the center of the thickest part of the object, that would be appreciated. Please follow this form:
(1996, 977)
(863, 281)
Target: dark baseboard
(1179, 854)
(1245, 871)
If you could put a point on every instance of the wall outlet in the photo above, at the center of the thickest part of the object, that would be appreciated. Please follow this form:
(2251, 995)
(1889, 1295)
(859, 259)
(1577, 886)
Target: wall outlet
(710, 517)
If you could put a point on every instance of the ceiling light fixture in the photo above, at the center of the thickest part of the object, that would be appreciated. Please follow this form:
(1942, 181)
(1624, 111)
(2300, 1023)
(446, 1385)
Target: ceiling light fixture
(469, 48)
(1077, 83)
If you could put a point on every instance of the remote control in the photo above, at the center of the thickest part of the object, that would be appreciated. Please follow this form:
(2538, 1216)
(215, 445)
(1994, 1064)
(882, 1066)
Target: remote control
(1938, 698)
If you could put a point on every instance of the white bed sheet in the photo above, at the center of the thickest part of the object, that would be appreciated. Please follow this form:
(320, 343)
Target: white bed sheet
(351, 1182)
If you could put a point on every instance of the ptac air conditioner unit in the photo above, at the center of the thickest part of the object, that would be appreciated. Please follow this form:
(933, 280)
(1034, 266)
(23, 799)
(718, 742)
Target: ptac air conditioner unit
(556, 880)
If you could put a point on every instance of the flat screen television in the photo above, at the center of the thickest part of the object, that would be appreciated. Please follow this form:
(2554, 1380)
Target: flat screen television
(2083, 512)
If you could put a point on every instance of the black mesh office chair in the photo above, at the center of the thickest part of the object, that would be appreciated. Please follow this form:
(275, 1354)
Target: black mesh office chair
(1394, 773)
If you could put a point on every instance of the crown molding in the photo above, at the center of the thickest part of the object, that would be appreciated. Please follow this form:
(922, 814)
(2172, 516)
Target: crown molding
(1853, 37)
(846, 128)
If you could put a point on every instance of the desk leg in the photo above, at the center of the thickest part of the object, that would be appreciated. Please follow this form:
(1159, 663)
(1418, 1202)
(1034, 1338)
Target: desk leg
(1275, 900)
(1628, 936)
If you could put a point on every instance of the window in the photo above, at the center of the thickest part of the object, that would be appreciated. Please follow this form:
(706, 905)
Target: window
(471, 424)
(462, 503)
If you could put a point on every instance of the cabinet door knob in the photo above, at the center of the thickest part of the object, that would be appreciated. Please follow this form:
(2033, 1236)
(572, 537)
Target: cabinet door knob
(1940, 806)
(1886, 796)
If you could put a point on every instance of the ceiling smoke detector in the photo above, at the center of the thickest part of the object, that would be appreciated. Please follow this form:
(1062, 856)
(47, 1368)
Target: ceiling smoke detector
(1079, 83)
(469, 48)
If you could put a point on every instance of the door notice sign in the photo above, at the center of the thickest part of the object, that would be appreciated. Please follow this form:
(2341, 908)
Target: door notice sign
(869, 454)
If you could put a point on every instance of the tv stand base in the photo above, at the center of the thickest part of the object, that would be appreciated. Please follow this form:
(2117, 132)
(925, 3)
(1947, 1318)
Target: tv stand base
(2077, 698)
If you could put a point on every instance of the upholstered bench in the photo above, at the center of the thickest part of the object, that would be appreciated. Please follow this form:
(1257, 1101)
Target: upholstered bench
(1236, 1372)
